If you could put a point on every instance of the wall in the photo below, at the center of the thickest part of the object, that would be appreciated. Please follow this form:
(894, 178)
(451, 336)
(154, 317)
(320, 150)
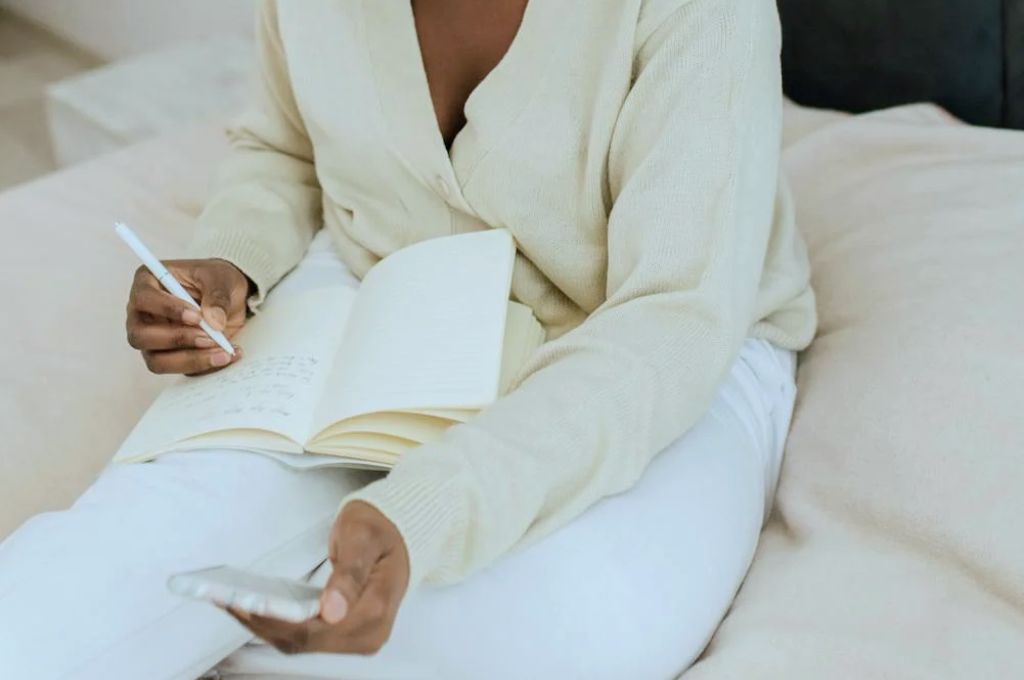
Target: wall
(116, 28)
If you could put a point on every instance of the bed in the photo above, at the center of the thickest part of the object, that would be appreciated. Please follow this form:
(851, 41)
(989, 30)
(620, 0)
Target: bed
(894, 549)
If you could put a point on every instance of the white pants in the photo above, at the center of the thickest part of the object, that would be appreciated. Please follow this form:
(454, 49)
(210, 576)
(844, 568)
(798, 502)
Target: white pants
(633, 588)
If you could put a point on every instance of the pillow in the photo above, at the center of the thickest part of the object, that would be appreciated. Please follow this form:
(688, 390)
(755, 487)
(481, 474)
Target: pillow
(71, 387)
(895, 547)
(861, 55)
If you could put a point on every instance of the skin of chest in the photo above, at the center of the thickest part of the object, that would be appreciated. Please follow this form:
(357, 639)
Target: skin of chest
(461, 41)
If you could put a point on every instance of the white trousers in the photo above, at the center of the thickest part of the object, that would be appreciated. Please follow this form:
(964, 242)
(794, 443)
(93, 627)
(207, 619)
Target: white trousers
(633, 588)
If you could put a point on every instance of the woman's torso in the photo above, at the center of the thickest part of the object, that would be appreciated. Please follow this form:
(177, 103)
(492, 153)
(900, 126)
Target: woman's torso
(530, 154)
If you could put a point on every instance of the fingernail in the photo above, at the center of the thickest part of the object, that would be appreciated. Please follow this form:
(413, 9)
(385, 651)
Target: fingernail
(333, 608)
(191, 317)
(216, 317)
(238, 352)
(220, 359)
(204, 342)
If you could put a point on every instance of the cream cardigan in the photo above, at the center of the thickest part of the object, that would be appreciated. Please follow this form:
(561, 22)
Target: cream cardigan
(631, 147)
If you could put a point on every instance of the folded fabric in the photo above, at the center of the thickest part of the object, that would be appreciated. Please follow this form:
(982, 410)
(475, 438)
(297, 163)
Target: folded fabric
(895, 550)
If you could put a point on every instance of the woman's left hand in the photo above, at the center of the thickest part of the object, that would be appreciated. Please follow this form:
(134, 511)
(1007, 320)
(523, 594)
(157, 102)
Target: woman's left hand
(360, 601)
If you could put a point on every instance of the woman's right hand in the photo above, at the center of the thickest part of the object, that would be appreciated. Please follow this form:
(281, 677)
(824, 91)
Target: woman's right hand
(166, 330)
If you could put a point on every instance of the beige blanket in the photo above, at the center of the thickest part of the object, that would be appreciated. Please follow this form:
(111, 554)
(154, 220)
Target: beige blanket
(71, 387)
(896, 548)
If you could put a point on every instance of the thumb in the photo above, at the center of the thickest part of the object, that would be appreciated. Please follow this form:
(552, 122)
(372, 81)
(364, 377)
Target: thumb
(215, 315)
(215, 300)
(342, 591)
(352, 563)
(334, 606)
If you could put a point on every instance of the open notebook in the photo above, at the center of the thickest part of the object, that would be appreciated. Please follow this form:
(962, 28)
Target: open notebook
(359, 375)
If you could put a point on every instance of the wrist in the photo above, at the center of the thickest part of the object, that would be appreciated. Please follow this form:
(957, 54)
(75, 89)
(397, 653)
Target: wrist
(357, 517)
(250, 285)
(374, 523)
(424, 515)
(244, 253)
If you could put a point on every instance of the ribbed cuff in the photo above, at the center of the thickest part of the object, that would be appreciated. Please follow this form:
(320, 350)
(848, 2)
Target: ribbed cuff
(425, 511)
(240, 249)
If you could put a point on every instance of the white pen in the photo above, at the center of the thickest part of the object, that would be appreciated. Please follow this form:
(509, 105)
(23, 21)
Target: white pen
(167, 280)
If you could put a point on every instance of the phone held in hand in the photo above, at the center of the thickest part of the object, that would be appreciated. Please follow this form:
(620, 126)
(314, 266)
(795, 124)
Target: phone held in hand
(277, 598)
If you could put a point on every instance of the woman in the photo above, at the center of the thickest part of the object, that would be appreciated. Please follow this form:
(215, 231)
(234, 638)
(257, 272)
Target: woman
(631, 147)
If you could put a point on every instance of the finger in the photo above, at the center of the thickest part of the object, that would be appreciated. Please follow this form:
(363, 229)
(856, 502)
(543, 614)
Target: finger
(164, 336)
(365, 628)
(160, 303)
(188, 361)
(371, 617)
(380, 600)
(145, 279)
(240, 614)
(215, 290)
(289, 637)
(258, 628)
(352, 643)
(355, 551)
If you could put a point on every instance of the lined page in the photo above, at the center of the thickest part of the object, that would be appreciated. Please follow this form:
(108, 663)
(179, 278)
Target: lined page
(289, 349)
(426, 329)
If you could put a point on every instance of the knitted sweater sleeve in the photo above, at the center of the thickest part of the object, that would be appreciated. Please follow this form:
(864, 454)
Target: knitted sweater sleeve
(266, 205)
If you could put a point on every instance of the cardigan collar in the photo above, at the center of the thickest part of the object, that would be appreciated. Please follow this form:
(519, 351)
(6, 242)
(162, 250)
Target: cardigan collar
(491, 108)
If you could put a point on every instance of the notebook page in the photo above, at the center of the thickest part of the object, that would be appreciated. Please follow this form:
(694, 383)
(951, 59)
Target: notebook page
(289, 348)
(426, 329)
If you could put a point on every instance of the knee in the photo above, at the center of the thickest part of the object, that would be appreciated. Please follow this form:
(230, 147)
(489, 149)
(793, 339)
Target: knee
(646, 656)
(625, 629)
(642, 645)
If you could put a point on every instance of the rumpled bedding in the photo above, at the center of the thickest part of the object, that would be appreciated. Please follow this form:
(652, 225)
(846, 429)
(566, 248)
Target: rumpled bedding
(895, 548)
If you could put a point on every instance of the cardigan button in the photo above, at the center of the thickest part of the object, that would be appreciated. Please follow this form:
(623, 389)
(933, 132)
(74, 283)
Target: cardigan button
(442, 187)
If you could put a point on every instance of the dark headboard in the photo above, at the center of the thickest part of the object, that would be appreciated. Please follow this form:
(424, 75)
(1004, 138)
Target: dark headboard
(859, 55)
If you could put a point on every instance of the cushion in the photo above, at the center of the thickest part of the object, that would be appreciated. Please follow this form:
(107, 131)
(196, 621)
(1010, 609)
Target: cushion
(72, 388)
(861, 55)
(895, 547)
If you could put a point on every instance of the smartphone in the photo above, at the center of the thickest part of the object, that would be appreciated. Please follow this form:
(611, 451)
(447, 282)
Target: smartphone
(278, 598)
